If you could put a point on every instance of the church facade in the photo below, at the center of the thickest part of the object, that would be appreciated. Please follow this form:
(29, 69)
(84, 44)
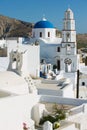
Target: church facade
(61, 52)
(45, 32)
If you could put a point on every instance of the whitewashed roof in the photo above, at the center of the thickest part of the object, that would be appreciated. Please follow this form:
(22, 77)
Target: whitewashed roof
(11, 82)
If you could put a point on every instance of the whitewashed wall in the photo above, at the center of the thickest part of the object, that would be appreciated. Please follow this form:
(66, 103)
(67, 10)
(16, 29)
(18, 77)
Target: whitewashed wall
(14, 40)
(65, 92)
(61, 100)
(16, 110)
(68, 127)
(73, 78)
(49, 56)
(31, 57)
(12, 44)
(31, 60)
(45, 31)
(50, 92)
(83, 79)
(68, 91)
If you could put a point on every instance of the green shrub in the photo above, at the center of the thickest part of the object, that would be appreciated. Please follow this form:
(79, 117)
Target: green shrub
(50, 118)
(59, 114)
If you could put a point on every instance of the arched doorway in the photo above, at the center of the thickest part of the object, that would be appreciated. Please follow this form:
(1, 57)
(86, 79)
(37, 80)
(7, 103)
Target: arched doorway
(58, 64)
(14, 64)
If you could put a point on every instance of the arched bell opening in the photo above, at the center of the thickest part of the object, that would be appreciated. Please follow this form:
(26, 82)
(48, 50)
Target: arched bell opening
(68, 63)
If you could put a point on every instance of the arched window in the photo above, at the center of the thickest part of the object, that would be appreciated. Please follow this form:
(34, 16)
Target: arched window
(58, 49)
(14, 60)
(58, 64)
(68, 47)
(40, 34)
(83, 83)
(48, 34)
(67, 37)
(68, 15)
(67, 62)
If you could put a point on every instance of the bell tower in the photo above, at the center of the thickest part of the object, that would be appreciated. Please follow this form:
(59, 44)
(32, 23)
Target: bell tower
(69, 33)
(68, 55)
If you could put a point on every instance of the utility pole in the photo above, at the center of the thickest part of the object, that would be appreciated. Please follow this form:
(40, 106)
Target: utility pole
(77, 89)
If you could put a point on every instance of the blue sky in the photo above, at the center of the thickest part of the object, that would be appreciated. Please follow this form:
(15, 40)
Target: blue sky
(33, 10)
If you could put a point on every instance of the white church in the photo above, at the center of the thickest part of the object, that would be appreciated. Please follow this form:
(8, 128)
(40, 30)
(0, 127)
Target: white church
(61, 52)
(55, 50)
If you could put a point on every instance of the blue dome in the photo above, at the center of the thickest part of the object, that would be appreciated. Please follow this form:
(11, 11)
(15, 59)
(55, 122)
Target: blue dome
(43, 24)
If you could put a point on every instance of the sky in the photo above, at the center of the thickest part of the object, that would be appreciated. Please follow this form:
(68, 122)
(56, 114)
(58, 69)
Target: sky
(33, 11)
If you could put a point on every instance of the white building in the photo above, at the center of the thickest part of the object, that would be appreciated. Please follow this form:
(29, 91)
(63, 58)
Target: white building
(45, 32)
(60, 49)
(61, 52)
(67, 53)
(23, 59)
